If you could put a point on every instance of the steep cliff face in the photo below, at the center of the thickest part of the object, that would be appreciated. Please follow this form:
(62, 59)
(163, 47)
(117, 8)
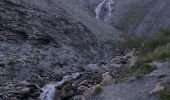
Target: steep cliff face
(142, 17)
(45, 36)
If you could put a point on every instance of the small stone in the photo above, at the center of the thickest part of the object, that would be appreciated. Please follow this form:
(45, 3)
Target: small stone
(83, 83)
(75, 75)
(13, 98)
(67, 78)
(107, 80)
(78, 97)
(25, 83)
(6, 88)
(25, 90)
(105, 74)
(157, 89)
(117, 60)
(82, 88)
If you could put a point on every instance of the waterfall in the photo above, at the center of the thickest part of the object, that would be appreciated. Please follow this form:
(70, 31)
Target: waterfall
(49, 90)
(108, 4)
(98, 8)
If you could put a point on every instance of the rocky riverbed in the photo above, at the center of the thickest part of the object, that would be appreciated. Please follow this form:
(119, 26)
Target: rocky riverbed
(70, 86)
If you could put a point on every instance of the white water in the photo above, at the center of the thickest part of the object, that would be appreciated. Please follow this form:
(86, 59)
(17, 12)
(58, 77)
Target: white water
(108, 4)
(98, 8)
(48, 92)
(50, 89)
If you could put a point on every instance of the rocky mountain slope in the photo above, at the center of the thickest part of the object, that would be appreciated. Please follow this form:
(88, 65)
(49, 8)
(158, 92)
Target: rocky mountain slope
(60, 49)
(43, 35)
(141, 17)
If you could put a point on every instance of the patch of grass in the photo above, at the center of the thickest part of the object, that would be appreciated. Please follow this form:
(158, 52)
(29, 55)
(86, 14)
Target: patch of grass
(139, 69)
(160, 39)
(98, 90)
(164, 94)
(149, 50)
(161, 53)
(146, 45)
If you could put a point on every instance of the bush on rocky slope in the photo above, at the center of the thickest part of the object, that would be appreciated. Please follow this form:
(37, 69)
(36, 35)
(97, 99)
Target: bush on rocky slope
(136, 71)
(149, 50)
(98, 89)
(161, 53)
(165, 93)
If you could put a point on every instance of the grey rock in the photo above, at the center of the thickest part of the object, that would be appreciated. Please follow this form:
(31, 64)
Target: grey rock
(42, 37)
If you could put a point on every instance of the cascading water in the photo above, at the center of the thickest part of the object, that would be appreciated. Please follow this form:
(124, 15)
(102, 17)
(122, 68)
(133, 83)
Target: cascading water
(49, 90)
(98, 8)
(108, 4)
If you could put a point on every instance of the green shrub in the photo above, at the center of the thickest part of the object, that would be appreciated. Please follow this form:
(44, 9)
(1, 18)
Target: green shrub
(159, 39)
(165, 93)
(161, 53)
(150, 49)
(98, 89)
(139, 69)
